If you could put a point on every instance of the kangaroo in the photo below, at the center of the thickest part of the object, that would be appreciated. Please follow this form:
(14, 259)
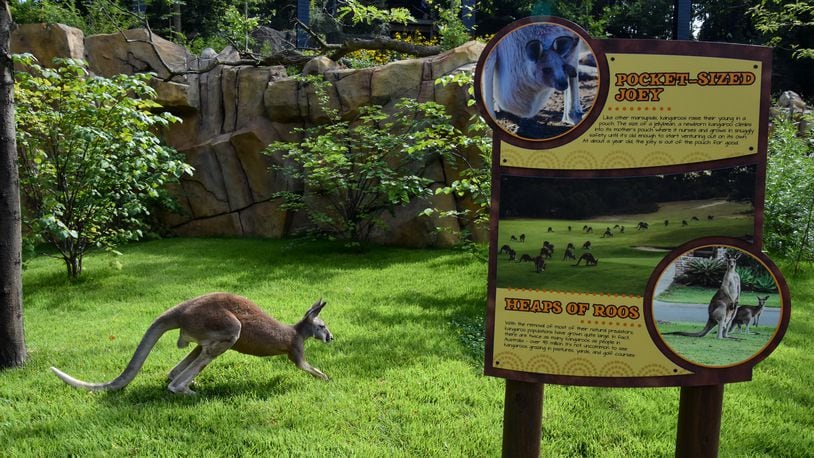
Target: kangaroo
(724, 304)
(525, 258)
(607, 233)
(569, 253)
(539, 264)
(218, 322)
(505, 249)
(642, 225)
(589, 259)
(550, 229)
(547, 251)
(512, 255)
(684, 223)
(586, 245)
(527, 66)
(747, 315)
(522, 238)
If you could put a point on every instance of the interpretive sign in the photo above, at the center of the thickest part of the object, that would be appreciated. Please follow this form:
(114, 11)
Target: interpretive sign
(627, 209)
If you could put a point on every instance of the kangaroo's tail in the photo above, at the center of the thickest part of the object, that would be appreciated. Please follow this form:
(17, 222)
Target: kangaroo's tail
(710, 324)
(154, 332)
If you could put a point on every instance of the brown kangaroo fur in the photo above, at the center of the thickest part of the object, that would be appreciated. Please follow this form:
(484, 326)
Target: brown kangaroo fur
(748, 315)
(218, 322)
(724, 304)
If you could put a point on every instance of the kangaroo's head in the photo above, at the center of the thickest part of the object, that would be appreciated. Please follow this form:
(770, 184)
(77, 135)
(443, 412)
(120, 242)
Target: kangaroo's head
(761, 301)
(549, 56)
(732, 261)
(313, 324)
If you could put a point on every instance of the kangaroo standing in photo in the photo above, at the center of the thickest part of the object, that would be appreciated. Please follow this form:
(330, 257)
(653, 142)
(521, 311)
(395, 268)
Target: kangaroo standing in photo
(747, 315)
(527, 66)
(724, 304)
(218, 322)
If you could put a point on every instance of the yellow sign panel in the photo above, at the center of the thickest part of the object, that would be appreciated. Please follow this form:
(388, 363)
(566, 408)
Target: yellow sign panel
(575, 334)
(661, 110)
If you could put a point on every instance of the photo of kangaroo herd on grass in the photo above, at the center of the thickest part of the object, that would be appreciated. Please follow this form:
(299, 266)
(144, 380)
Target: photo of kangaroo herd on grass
(709, 304)
(606, 235)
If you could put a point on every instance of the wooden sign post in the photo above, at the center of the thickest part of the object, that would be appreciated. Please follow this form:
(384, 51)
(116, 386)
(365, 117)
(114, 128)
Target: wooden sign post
(622, 169)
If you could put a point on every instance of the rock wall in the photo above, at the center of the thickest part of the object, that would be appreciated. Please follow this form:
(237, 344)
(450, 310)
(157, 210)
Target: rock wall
(231, 112)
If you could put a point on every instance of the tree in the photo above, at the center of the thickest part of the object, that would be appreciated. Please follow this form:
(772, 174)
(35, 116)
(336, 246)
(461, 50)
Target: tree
(788, 26)
(90, 161)
(12, 342)
(354, 170)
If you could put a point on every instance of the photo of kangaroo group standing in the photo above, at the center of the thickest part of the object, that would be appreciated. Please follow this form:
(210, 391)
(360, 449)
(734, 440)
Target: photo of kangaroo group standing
(606, 235)
(720, 289)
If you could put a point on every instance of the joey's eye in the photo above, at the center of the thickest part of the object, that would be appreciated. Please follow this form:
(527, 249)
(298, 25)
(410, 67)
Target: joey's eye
(534, 49)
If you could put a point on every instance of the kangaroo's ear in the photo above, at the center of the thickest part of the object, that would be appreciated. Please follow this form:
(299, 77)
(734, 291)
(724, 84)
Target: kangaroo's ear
(313, 312)
(563, 45)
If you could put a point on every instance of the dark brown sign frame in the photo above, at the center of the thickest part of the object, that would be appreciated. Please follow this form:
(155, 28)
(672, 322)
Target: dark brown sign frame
(756, 157)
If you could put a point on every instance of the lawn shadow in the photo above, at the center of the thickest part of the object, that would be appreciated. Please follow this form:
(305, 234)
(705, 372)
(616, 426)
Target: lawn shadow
(156, 392)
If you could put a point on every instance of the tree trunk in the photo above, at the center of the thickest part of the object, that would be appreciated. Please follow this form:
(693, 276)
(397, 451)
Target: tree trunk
(176, 18)
(12, 342)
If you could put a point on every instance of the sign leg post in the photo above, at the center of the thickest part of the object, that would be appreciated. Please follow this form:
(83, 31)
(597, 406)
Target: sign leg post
(522, 419)
(699, 421)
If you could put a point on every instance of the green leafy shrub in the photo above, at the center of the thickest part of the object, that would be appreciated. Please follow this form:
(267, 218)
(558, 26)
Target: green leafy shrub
(789, 193)
(48, 11)
(91, 164)
(451, 28)
(354, 170)
(475, 180)
(705, 272)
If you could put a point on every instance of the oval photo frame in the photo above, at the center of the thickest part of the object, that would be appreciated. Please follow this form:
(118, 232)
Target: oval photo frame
(684, 321)
(525, 82)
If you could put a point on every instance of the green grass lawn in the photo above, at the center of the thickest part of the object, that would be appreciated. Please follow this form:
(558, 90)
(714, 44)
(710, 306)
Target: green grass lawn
(711, 351)
(406, 381)
(627, 259)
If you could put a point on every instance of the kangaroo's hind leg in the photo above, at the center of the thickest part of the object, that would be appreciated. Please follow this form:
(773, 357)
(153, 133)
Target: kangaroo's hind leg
(184, 363)
(213, 339)
(180, 384)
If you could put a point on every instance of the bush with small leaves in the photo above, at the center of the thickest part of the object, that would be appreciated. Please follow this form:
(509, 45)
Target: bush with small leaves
(91, 162)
